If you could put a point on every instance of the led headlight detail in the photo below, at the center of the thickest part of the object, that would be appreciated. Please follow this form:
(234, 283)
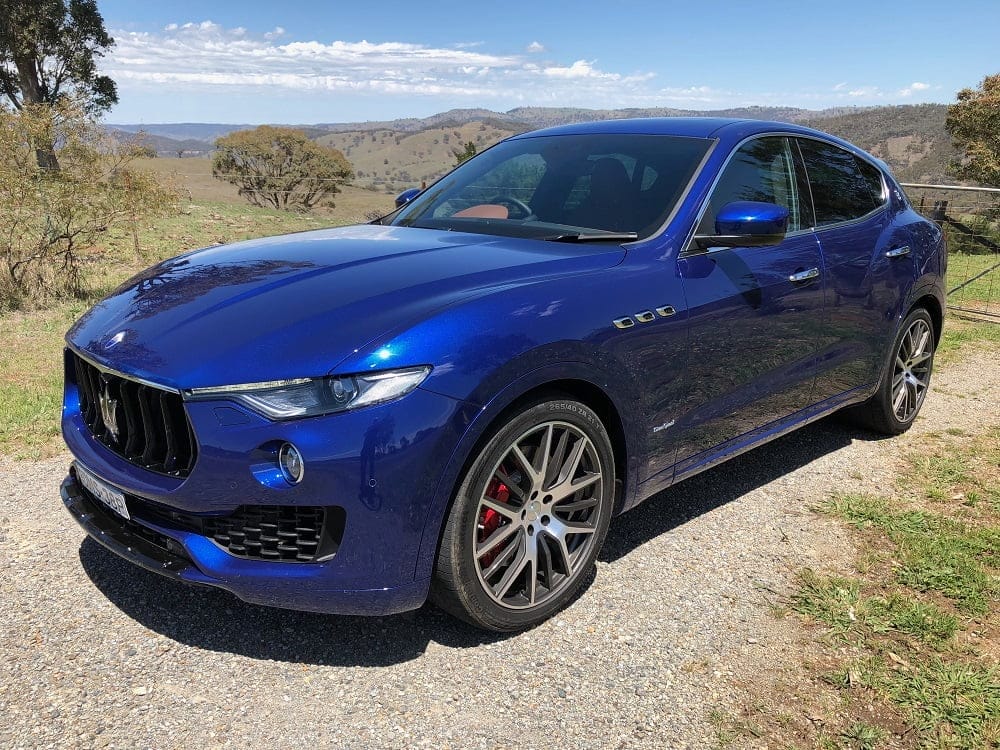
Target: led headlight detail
(308, 397)
(291, 464)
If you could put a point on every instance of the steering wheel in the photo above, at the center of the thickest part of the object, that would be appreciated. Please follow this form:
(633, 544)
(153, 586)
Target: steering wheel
(523, 210)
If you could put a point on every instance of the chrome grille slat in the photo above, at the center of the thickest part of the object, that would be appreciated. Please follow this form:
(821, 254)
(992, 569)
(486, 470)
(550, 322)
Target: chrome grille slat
(152, 425)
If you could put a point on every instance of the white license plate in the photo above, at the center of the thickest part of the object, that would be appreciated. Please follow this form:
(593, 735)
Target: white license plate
(103, 491)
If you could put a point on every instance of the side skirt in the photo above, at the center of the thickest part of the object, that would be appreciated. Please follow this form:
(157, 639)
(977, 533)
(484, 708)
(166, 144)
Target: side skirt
(748, 441)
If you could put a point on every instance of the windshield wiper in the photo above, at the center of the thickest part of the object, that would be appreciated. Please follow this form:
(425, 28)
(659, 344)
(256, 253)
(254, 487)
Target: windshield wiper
(591, 236)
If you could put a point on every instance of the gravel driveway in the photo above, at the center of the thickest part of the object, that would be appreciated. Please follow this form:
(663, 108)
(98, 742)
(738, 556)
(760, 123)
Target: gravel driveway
(98, 653)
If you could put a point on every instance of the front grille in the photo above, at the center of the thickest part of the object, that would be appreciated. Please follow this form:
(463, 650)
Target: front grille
(287, 533)
(152, 427)
(275, 532)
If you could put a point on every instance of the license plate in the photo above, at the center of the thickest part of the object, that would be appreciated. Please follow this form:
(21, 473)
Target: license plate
(103, 491)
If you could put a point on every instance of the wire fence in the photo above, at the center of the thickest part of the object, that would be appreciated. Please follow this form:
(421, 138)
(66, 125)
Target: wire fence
(970, 218)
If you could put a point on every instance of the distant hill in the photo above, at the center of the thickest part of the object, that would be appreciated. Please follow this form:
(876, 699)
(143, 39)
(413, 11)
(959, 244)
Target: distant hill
(206, 132)
(910, 138)
(394, 154)
(163, 145)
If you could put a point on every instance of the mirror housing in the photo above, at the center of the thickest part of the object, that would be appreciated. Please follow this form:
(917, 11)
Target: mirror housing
(406, 196)
(746, 224)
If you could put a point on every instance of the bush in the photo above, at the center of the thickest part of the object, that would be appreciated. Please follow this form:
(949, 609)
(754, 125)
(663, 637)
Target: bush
(280, 167)
(51, 216)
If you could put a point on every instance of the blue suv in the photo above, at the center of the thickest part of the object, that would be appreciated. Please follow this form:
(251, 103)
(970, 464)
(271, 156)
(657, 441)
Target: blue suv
(454, 401)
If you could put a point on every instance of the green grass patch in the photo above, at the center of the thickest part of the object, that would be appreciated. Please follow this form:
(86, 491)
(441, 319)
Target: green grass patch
(933, 553)
(981, 293)
(924, 598)
(840, 605)
(961, 337)
(862, 736)
(951, 704)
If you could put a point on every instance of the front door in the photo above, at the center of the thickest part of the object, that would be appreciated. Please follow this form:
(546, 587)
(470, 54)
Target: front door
(754, 313)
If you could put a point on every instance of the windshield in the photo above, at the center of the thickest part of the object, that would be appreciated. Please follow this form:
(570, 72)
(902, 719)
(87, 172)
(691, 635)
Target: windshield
(562, 187)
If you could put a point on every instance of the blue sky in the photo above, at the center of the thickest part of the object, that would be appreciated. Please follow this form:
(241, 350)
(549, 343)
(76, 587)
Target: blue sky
(326, 61)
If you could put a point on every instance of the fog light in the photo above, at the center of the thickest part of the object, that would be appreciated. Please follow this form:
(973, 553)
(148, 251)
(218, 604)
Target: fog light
(290, 461)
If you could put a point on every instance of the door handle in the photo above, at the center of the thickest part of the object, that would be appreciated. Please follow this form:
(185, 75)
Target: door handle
(898, 252)
(800, 276)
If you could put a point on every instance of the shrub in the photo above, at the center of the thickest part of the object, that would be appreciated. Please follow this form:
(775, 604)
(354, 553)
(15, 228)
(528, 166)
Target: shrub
(50, 216)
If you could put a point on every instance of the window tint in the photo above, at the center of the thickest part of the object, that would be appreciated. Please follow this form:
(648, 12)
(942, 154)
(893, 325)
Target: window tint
(873, 178)
(544, 186)
(762, 170)
(840, 191)
(515, 178)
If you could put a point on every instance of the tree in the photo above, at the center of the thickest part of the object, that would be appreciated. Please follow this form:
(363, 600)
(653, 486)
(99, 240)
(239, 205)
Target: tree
(280, 167)
(974, 124)
(48, 51)
(52, 218)
(464, 154)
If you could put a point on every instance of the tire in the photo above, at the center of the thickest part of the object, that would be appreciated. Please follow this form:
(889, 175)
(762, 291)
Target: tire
(522, 532)
(906, 378)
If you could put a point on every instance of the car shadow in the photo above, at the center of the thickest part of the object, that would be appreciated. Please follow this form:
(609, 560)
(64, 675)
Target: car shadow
(216, 620)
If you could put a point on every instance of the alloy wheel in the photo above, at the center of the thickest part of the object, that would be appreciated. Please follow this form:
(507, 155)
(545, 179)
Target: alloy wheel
(537, 515)
(912, 371)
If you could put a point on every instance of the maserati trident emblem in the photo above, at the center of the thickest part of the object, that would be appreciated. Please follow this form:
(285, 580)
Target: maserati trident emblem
(109, 412)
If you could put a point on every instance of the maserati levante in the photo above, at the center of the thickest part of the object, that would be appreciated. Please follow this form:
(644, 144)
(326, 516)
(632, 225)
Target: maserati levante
(454, 402)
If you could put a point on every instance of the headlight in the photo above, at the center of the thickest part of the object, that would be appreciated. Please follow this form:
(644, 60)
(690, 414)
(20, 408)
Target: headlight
(308, 397)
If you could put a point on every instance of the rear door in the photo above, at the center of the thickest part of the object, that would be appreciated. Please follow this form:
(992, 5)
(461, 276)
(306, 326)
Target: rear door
(854, 229)
(755, 313)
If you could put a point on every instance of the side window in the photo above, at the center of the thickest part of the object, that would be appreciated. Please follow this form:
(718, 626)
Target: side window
(840, 189)
(762, 170)
(873, 178)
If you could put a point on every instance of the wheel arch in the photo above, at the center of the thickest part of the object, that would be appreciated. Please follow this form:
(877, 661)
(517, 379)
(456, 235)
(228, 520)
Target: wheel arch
(932, 305)
(512, 400)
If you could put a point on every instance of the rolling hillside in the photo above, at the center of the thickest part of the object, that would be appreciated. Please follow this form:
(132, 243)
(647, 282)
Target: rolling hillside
(392, 155)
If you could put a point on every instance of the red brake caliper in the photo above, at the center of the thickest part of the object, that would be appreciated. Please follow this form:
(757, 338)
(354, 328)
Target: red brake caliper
(489, 519)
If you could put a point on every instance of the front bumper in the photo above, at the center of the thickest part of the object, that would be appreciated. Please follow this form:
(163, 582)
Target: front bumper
(379, 468)
(146, 546)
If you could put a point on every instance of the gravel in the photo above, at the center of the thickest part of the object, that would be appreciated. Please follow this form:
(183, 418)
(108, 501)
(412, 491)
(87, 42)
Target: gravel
(98, 653)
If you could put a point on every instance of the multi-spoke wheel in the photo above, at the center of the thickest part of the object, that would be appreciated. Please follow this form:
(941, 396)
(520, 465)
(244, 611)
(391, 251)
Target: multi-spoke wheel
(528, 519)
(911, 373)
(907, 377)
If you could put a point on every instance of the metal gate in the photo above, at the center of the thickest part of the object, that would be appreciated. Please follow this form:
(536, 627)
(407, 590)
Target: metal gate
(970, 218)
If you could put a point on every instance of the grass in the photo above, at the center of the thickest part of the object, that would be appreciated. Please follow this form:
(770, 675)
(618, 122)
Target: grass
(916, 628)
(983, 294)
(963, 337)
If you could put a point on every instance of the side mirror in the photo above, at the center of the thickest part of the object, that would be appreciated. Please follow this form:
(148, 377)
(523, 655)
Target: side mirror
(746, 224)
(406, 196)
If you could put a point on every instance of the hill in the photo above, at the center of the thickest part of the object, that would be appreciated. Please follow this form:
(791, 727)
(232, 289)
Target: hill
(394, 154)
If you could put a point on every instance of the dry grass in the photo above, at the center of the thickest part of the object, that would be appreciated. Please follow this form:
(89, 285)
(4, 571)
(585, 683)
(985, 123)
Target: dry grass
(193, 177)
(392, 161)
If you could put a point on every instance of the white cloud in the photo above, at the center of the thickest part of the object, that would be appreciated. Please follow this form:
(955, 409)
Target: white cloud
(865, 92)
(915, 86)
(204, 56)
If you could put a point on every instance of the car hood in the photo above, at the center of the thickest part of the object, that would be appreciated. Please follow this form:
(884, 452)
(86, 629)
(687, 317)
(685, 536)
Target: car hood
(297, 305)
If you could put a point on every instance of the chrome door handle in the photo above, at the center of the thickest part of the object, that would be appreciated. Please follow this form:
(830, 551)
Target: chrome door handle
(812, 273)
(898, 252)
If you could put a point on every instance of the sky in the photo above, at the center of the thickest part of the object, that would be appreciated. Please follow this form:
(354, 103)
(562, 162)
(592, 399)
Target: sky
(325, 61)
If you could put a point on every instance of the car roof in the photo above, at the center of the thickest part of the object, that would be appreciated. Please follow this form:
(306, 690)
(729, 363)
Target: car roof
(728, 130)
